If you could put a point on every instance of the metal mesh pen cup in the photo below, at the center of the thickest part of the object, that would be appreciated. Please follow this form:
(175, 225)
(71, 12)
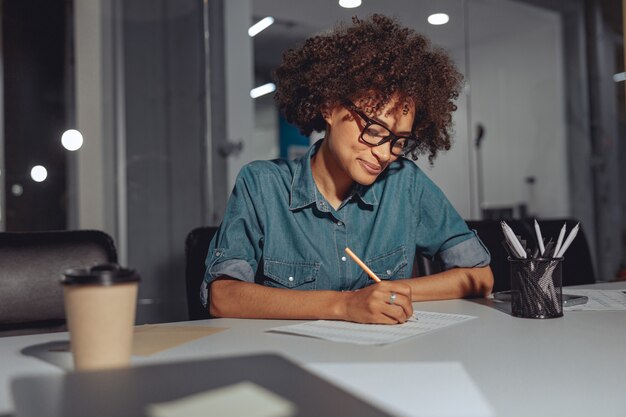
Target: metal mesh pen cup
(536, 288)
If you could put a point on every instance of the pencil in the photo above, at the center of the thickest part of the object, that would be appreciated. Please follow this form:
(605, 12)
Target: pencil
(362, 265)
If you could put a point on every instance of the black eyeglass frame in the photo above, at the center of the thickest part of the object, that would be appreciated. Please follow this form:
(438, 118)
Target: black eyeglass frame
(411, 141)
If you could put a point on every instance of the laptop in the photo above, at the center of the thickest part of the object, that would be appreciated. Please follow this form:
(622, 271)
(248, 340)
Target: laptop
(129, 391)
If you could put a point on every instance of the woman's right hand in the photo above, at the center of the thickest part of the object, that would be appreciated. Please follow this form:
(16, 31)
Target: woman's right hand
(373, 304)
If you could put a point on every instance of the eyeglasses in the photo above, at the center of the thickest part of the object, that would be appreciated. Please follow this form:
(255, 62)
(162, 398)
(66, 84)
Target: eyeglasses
(375, 134)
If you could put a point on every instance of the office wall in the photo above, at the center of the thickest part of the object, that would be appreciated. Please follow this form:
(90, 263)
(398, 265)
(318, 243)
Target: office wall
(515, 87)
(2, 191)
(141, 106)
(91, 110)
(453, 170)
(239, 80)
(164, 100)
(517, 93)
(605, 143)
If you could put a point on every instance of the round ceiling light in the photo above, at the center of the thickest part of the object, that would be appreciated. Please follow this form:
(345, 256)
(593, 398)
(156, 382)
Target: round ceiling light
(349, 4)
(438, 19)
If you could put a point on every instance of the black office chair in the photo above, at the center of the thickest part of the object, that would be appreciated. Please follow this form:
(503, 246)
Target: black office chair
(490, 233)
(423, 265)
(31, 267)
(196, 249)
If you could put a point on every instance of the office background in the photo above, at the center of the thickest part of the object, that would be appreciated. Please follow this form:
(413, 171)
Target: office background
(160, 90)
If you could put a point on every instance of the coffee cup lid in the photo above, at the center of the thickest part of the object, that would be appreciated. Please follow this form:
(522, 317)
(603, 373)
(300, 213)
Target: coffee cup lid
(101, 274)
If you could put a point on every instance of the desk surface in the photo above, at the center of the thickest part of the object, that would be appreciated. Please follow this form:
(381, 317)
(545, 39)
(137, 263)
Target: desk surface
(570, 366)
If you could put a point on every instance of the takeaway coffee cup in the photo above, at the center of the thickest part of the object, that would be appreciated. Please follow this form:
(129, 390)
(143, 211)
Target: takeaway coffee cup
(100, 309)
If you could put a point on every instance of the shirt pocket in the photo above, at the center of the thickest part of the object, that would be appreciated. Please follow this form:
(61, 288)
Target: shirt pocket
(292, 275)
(390, 265)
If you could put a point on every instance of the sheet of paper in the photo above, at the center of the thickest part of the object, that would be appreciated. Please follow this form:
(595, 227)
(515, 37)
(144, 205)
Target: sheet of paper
(153, 338)
(599, 300)
(373, 334)
(410, 389)
(241, 399)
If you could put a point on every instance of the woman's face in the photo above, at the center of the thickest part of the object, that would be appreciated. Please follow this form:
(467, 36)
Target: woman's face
(356, 159)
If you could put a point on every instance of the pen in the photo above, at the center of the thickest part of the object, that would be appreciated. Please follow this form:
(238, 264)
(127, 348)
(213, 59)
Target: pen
(559, 241)
(521, 253)
(568, 241)
(549, 247)
(542, 249)
(362, 265)
(517, 246)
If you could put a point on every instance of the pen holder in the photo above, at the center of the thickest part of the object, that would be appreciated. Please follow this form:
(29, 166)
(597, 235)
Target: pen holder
(536, 288)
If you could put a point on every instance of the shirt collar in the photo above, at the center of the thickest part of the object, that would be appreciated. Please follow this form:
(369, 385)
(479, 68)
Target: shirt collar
(304, 191)
(367, 194)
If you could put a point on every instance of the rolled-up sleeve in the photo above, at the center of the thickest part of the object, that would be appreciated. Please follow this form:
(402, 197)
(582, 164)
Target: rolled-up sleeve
(470, 253)
(236, 247)
(443, 232)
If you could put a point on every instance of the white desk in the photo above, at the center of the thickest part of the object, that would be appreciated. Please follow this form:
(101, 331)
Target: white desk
(570, 366)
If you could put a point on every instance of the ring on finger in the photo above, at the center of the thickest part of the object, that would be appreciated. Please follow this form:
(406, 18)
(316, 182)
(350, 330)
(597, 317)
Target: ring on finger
(392, 298)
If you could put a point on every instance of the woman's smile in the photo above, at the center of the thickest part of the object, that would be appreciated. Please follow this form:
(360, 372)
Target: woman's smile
(371, 168)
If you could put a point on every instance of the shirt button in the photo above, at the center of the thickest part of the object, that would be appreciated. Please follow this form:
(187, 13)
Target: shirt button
(290, 279)
(343, 258)
(339, 224)
(388, 272)
(218, 253)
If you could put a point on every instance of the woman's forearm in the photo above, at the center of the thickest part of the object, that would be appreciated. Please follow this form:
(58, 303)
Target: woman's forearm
(453, 283)
(372, 304)
(238, 299)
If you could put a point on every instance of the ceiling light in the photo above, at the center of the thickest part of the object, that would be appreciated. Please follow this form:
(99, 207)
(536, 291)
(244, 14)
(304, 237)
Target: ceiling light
(438, 19)
(349, 4)
(620, 76)
(17, 190)
(72, 140)
(260, 25)
(262, 90)
(39, 173)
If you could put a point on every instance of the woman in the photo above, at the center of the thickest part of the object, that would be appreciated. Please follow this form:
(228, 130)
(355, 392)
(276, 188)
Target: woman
(380, 93)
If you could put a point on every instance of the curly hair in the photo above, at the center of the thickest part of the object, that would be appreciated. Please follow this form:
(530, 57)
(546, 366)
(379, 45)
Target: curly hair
(373, 60)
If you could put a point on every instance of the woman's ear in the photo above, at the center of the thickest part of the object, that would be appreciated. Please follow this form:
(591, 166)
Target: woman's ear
(326, 113)
(329, 112)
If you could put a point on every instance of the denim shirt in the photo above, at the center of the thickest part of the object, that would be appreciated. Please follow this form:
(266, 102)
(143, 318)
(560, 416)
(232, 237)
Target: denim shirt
(279, 231)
